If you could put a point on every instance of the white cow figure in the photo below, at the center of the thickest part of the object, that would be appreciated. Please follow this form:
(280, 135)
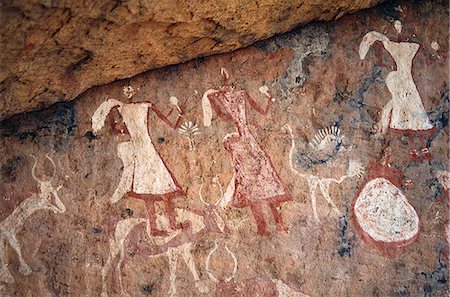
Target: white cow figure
(46, 199)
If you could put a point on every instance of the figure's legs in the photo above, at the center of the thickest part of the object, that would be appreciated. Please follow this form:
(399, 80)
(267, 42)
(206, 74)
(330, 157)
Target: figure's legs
(188, 259)
(170, 211)
(5, 274)
(426, 155)
(14, 243)
(259, 218)
(325, 189)
(413, 150)
(150, 204)
(277, 216)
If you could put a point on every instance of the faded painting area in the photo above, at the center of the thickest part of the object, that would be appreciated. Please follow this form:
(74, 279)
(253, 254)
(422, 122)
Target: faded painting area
(315, 163)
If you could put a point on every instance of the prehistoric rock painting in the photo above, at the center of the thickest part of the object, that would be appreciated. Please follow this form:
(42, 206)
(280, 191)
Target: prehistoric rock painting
(46, 199)
(253, 287)
(189, 130)
(180, 210)
(177, 243)
(255, 181)
(443, 176)
(213, 208)
(404, 113)
(325, 145)
(145, 176)
(382, 213)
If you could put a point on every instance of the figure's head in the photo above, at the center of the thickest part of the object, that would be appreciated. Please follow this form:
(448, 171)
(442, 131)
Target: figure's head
(128, 91)
(227, 86)
(225, 75)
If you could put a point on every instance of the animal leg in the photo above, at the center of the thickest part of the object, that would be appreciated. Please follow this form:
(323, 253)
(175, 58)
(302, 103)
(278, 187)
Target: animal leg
(312, 185)
(5, 274)
(189, 260)
(105, 270)
(325, 188)
(151, 213)
(107, 267)
(173, 255)
(119, 272)
(23, 268)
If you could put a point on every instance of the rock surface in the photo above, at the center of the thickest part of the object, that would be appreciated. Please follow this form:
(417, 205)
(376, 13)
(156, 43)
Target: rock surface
(54, 50)
(332, 102)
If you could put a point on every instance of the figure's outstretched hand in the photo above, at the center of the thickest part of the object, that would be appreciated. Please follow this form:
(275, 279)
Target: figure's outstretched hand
(174, 101)
(265, 90)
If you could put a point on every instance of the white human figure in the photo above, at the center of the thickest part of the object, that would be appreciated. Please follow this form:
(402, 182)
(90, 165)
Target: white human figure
(145, 176)
(405, 112)
(255, 181)
(322, 183)
(46, 199)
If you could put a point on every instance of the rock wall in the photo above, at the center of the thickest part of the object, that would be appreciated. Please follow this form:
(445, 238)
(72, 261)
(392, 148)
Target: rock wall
(52, 51)
(311, 164)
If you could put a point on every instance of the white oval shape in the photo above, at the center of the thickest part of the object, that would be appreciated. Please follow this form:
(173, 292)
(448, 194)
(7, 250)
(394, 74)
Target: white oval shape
(384, 213)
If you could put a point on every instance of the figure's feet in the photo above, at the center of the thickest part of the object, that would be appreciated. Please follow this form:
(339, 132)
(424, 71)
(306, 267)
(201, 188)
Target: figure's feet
(282, 228)
(263, 232)
(426, 155)
(25, 269)
(409, 184)
(6, 276)
(415, 156)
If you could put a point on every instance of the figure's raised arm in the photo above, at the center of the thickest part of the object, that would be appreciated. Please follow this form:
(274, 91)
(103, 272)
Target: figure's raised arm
(102, 112)
(165, 118)
(208, 104)
(369, 39)
(255, 106)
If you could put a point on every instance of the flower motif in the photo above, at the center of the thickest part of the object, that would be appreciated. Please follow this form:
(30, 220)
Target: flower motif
(188, 130)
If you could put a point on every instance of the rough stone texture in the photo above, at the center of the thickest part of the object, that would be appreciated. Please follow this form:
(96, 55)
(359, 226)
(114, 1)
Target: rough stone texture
(318, 80)
(54, 50)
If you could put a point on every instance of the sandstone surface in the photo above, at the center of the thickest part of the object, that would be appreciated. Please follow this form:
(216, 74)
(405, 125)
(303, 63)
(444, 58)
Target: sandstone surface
(52, 51)
(322, 135)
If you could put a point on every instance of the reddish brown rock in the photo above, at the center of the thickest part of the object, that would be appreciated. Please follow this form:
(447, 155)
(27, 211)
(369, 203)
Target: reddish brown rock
(321, 135)
(53, 51)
